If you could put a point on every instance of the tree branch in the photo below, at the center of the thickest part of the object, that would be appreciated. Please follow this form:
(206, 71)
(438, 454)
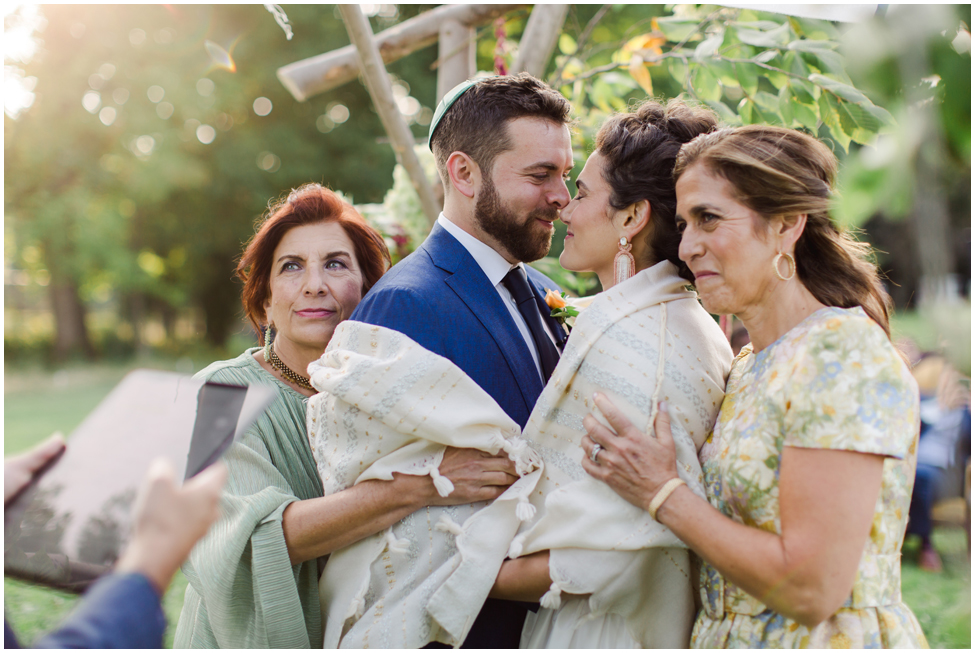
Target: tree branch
(582, 40)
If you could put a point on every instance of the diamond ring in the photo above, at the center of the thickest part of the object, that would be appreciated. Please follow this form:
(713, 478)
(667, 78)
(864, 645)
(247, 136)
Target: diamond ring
(596, 448)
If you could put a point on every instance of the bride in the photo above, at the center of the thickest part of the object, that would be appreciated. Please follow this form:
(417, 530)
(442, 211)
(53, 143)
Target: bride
(607, 574)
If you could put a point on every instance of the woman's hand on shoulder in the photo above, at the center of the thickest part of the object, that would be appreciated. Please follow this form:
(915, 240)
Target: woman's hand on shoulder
(629, 461)
(476, 475)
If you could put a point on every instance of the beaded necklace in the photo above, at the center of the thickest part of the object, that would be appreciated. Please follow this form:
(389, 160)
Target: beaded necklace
(271, 356)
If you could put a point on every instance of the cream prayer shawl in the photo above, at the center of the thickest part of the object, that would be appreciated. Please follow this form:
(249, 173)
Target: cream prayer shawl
(388, 405)
(642, 341)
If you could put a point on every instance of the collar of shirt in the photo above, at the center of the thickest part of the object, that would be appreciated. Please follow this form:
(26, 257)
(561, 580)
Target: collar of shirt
(492, 264)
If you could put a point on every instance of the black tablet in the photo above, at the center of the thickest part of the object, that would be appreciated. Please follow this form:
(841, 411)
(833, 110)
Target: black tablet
(70, 524)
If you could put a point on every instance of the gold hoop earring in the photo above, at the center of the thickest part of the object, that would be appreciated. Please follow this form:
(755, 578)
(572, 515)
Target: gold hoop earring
(267, 344)
(790, 262)
(624, 265)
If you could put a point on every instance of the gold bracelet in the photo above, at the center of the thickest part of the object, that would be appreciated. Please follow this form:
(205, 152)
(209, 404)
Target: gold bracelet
(663, 494)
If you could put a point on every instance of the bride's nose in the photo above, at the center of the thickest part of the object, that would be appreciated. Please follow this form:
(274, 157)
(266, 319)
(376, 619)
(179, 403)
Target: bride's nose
(565, 215)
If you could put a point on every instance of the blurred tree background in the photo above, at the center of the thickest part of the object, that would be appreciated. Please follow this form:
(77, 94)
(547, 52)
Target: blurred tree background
(142, 142)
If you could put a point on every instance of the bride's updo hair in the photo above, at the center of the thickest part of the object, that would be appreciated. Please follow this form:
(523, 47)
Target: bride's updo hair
(640, 150)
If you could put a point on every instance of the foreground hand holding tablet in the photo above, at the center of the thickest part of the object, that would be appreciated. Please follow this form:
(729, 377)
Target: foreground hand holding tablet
(123, 609)
(168, 520)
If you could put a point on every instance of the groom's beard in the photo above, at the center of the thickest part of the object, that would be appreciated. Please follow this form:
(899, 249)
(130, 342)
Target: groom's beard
(526, 240)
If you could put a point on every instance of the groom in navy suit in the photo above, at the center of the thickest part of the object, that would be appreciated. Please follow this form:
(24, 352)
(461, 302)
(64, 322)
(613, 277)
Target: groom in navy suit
(503, 152)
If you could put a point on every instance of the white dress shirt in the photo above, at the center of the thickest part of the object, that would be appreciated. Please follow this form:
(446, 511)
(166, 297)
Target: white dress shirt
(495, 267)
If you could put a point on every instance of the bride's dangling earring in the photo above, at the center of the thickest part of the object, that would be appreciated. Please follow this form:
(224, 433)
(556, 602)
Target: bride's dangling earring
(624, 265)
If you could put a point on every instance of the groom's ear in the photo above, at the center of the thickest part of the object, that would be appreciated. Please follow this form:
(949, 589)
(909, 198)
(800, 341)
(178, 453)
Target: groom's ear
(464, 174)
(634, 218)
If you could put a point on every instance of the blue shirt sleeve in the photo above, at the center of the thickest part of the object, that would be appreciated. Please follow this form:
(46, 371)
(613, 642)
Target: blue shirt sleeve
(118, 611)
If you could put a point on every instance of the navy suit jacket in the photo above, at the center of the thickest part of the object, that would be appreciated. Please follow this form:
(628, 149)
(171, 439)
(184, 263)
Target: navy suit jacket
(440, 297)
(118, 611)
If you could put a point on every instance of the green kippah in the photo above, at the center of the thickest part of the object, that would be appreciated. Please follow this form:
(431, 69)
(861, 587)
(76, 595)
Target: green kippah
(447, 102)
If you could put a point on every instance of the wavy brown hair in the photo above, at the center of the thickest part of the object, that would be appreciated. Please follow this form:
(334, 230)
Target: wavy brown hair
(782, 172)
(640, 149)
(477, 123)
(310, 204)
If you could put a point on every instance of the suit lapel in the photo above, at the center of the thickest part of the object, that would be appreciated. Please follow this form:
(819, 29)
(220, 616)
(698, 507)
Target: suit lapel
(473, 288)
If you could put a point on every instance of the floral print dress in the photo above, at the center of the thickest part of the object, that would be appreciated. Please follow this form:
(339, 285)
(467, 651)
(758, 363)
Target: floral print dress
(833, 382)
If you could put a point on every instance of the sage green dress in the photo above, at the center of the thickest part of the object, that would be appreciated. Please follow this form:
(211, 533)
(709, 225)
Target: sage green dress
(243, 590)
(833, 382)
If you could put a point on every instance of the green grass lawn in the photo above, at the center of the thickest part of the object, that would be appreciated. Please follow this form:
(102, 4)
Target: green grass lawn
(37, 403)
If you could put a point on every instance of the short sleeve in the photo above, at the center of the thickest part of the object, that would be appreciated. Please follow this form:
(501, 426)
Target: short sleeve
(850, 390)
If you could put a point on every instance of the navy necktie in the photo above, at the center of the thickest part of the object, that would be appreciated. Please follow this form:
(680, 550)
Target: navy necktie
(517, 284)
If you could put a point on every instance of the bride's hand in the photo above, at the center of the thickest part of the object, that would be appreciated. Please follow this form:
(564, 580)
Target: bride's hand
(630, 462)
(476, 475)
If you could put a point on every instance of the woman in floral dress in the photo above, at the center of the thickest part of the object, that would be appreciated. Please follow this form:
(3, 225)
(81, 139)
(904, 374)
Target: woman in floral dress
(810, 466)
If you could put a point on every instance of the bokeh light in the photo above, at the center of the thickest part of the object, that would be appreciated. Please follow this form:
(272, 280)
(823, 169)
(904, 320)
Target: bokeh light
(155, 94)
(91, 101)
(17, 91)
(262, 106)
(224, 121)
(120, 96)
(205, 134)
(339, 113)
(165, 110)
(268, 161)
(324, 124)
(204, 86)
(137, 36)
(107, 115)
(144, 145)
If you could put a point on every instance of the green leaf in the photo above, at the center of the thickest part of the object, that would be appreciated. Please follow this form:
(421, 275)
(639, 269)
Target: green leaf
(803, 90)
(725, 72)
(768, 105)
(725, 114)
(767, 56)
(708, 46)
(748, 77)
(620, 79)
(706, 84)
(758, 25)
(766, 101)
(859, 123)
(785, 104)
(830, 62)
(774, 38)
(677, 70)
(808, 45)
(805, 115)
(886, 120)
(829, 110)
(677, 29)
(567, 44)
(794, 64)
(746, 109)
(842, 90)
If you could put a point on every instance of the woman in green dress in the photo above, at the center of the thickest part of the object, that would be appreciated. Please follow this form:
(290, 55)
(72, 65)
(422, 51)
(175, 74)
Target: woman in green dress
(810, 466)
(253, 580)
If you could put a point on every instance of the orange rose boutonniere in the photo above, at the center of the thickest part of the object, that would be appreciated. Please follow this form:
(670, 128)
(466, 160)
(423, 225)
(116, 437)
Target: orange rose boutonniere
(564, 308)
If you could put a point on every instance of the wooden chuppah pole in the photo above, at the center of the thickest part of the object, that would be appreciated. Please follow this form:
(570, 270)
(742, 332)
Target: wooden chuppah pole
(538, 41)
(323, 72)
(381, 91)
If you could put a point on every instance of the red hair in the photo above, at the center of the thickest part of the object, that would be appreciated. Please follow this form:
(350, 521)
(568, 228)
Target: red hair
(310, 204)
